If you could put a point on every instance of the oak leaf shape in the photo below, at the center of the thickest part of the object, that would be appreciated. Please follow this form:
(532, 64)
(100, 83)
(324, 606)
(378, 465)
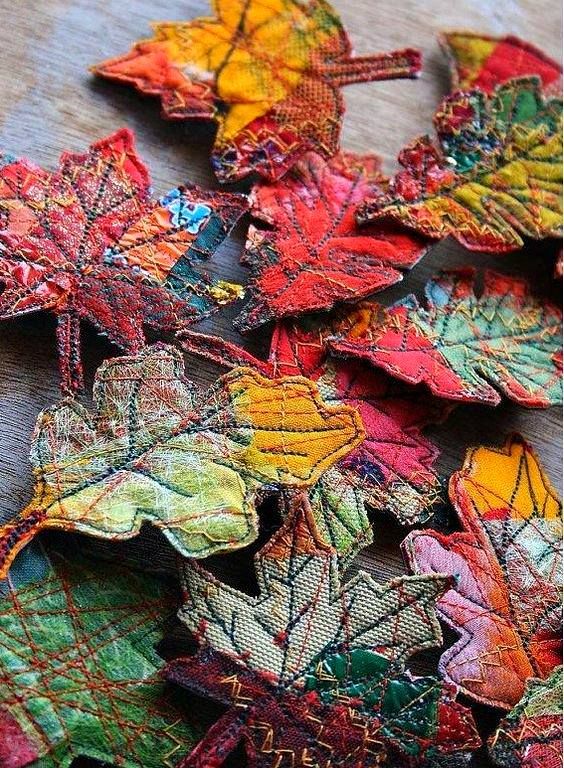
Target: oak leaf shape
(494, 178)
(484, 62)
(79, 675)
(269, 73)
(530, 736)
(88, 242)
(308, 252)
(190, 463)
(507, 599)
(391, 470)
(262, 657)
(461, 342)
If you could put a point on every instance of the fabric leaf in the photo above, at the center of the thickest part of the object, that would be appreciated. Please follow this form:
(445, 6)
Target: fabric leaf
(484, 62)
(392, 469)
(78, 671)
(494, 178)
(460, 343)
(191, 464)
(257, 654)
(88, 242)
(308, 251)
(507, 561)
(268, 72)
(531, 734)
(417, 714)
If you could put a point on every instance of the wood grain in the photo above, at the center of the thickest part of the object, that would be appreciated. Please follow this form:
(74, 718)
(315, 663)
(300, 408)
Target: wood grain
(49, 102)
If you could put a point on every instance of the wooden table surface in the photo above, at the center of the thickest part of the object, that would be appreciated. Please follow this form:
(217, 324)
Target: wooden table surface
(49, 102)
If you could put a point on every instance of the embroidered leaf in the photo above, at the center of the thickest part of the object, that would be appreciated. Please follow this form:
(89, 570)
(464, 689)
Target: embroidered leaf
(268, 73)
(155, 450)
(258, 655)
(506, 605)
(87, 242)
(495, 177)
(417, 714)
(78, 670)
(392, 469)
(531, 734)
(309, 252)
(484, 62)
(461, 342)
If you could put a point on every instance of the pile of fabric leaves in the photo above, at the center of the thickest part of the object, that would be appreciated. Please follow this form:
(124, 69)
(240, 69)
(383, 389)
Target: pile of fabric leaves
(321, 437)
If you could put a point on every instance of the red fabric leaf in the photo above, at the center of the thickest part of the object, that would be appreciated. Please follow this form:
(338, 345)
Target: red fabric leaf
(88, 242)
(309, 252)
(484, 62)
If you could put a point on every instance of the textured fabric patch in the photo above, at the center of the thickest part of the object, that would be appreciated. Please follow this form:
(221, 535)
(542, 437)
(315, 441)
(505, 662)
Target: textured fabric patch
(88, 242)
(308, 252)
(190, 463)
(494, 178)
(79, 676)
(460, 342)
(531, 734)
(391, 470)
(312, 671)
(506, 604)
(480, 61)
(269, 72)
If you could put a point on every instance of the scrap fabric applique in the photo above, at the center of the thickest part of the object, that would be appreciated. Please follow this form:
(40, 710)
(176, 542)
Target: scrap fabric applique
(506, 604)
(88, 242)
(79, 675)
(460, 342)
(484, 62)
(531, 734)
(269, 72)
(392, 469)
(312, 672)
(494, 178)
(190, 463)
(308, 252)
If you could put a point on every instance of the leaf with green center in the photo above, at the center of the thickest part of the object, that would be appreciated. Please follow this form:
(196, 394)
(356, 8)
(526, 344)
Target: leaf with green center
(416, 715)
(495, 178)
(191, 464)
(461, 342)
(79, 676)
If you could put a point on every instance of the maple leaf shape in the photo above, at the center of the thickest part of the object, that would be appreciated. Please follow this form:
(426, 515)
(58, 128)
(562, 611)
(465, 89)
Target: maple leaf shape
(268, 73)
(484, 62)
(265, 657)
(506, 604)
(78, 671)
(461, 342)
(531, 734)
(312, 252)
(191, 464)
(495, 177)
(89, 243)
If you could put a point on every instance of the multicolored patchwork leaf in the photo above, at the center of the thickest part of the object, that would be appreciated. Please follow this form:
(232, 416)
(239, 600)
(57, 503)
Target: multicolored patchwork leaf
(531, 734)
(269, 72)
(461, 342)
(191, 464)
(392, 469)
(266, 658)
(308, 251)
(506, 604)
(88, 242)
(494, 178)
(484, 62)
(79, 676)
